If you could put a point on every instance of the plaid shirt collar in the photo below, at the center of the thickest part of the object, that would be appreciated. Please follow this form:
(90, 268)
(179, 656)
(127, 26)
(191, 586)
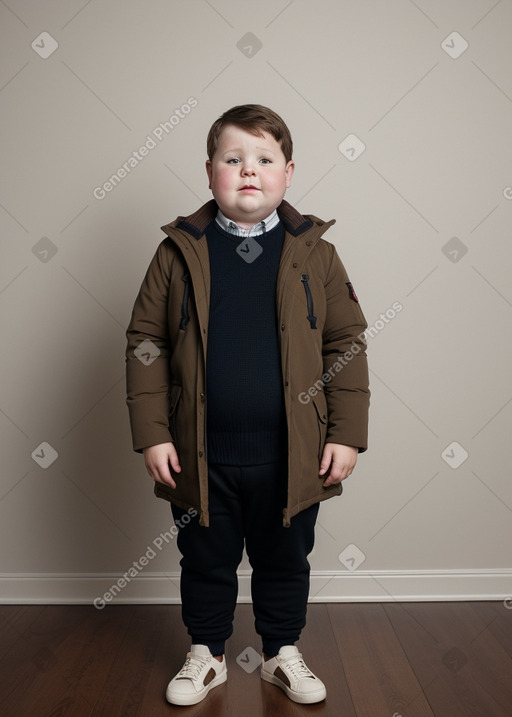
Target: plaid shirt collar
(260, 228)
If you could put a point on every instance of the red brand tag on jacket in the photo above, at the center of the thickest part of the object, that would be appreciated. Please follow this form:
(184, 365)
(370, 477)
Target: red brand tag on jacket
(351, 291)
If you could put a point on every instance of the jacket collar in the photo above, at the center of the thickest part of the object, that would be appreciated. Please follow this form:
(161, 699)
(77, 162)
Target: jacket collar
(196, 223)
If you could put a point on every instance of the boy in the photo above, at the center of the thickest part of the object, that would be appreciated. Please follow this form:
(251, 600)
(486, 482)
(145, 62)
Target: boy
(250, 398)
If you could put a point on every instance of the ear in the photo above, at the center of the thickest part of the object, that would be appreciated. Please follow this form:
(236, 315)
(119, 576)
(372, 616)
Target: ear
(209, 172)
(289, 172)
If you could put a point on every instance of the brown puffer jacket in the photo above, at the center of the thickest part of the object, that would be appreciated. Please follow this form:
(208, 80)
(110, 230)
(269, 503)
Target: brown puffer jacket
(324, 369)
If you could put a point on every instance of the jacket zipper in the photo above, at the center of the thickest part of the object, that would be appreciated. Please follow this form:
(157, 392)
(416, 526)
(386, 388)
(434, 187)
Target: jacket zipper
(311, 317)
(184, 304)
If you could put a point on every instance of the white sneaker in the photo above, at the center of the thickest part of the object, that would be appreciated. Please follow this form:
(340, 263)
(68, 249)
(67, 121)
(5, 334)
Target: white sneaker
(288, 671)
(200, 673)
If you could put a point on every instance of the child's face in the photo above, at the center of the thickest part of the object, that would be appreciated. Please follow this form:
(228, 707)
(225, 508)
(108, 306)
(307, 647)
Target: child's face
(248, 175)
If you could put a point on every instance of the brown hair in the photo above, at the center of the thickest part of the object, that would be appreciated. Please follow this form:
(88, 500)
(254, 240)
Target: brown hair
(254, 119)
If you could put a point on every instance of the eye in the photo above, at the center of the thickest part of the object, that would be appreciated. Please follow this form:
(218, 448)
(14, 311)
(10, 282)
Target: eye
(233, 160)
(265, 160)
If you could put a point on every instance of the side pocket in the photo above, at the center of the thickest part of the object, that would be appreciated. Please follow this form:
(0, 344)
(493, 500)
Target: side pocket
(321, 412)
(174, 398)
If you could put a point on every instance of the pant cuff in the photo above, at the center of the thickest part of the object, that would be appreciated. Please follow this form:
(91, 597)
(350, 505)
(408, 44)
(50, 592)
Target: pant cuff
(272, 647)
(216, 648)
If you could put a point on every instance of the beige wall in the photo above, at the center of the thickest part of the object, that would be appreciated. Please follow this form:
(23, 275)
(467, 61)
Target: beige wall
(433, 182)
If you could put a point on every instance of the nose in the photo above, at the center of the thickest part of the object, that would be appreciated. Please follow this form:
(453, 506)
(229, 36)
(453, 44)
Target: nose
(248, 169)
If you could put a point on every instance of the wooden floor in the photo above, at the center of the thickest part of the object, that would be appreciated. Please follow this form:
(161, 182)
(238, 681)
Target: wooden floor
(377, 660)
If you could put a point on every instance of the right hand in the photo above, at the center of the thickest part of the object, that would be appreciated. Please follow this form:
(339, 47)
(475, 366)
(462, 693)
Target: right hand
(157, 459)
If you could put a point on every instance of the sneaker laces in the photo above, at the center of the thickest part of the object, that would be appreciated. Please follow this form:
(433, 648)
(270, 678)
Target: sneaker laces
(297, 666)
(192, 667)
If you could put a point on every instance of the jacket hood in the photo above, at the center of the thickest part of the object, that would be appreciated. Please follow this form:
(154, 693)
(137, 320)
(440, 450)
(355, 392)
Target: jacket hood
(196, 223)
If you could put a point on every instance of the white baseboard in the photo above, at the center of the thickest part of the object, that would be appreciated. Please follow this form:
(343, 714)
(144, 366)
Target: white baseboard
(326, 586)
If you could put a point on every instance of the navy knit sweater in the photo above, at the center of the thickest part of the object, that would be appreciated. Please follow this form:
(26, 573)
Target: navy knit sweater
(246, 419)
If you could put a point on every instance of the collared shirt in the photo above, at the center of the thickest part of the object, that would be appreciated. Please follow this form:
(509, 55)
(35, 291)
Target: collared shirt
(260, 228)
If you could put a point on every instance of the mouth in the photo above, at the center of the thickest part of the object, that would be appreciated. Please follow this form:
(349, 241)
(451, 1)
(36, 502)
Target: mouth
(249, 188)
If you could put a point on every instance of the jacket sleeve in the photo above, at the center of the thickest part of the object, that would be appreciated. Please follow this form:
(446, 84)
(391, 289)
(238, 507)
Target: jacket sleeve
(147, 357)
(346, 378)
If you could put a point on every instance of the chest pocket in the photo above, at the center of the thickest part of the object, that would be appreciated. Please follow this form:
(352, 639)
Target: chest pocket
(184, 302)
(309, 298)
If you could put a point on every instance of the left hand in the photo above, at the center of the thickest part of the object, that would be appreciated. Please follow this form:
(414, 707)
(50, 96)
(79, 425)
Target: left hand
(341, 459)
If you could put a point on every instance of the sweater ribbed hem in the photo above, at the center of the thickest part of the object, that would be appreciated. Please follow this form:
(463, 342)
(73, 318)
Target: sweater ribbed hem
(249, 448)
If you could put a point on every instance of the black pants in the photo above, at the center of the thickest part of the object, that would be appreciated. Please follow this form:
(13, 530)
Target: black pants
(246, 502)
